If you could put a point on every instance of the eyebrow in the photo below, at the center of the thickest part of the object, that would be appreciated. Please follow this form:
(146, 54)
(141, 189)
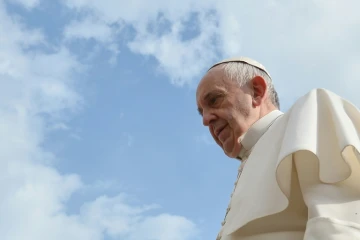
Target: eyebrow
(207, 96)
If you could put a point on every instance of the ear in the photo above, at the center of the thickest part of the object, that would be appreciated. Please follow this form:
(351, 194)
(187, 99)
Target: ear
(259, 88)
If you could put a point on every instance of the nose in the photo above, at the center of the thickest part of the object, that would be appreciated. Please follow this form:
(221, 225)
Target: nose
(208, 117)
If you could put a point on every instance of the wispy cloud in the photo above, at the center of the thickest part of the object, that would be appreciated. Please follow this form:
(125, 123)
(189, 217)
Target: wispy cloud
(60, 126)
(205, 139)
(38, 88)
(266, 30)
(89, 28)
(103, 185)
(28, 4)
(75, 136)
(127, 139)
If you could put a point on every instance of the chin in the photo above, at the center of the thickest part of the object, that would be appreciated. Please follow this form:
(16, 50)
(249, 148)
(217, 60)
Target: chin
(231, 153)
(232, 150)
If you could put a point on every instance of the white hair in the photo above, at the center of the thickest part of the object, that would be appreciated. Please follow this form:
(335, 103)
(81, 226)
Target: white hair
(242, 73)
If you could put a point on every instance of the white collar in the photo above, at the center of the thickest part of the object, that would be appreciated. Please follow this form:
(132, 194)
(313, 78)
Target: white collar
(255, 132)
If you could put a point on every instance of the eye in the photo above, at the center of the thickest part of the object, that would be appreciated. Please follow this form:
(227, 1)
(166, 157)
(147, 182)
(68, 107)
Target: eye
(213, 100)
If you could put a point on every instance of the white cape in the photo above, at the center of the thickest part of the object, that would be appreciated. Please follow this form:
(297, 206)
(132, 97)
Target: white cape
(319, 137)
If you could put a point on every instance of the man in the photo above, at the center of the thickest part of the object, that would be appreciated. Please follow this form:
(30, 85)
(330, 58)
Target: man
(300, 171)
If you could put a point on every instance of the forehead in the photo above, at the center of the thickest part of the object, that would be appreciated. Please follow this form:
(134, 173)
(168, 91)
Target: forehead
(214, 79)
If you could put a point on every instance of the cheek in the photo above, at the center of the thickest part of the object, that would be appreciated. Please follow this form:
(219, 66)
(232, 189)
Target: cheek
(211, 131)
(214, 137)
(238, 126)
(230, 117)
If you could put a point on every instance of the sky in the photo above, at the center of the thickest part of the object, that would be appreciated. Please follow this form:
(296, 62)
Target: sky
(100, 137)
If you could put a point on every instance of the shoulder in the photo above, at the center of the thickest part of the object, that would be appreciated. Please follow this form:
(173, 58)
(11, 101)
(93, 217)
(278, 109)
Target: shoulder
(319, 94)
(321, 98)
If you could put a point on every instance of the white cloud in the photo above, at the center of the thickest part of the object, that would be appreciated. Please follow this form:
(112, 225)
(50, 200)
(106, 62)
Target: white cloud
(89, 28)
(121, 220)
(101, 185)
(130, 139)
(181, 60)
(205, 139)
(59, 126)
(114, 215)
(126, 140)
(75, 136)
(305, 42)
(28, 4)
(93, 28)
(178, 59)
(165, 227)
(37, 91)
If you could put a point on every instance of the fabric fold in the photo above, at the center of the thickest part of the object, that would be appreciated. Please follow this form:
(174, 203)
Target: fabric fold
(320, 123)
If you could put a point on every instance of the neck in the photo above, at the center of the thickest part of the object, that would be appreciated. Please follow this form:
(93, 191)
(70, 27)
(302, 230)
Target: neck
(254, 133)
(266, 109)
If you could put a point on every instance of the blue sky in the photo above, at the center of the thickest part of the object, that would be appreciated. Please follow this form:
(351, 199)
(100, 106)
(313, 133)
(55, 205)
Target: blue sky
(99, 129)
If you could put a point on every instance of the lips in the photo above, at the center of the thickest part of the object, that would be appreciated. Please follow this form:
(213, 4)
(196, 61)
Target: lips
(218, 130)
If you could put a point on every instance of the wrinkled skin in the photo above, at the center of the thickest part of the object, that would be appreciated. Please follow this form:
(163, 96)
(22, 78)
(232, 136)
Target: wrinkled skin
(229, 110)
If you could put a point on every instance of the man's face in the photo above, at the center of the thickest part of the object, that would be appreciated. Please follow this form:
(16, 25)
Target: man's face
(226, 109)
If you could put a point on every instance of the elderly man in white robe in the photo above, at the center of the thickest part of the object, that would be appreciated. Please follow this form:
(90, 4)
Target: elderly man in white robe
(300, 172)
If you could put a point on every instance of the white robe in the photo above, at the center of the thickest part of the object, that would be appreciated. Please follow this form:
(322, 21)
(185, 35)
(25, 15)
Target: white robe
(302, 178)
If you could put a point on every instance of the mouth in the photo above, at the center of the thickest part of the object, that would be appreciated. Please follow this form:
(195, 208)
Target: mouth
(219, 130)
